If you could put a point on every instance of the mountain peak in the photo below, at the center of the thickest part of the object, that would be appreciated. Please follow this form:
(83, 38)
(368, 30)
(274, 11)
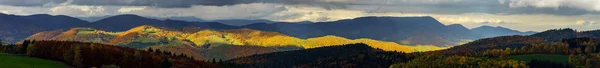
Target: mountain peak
(457, 26)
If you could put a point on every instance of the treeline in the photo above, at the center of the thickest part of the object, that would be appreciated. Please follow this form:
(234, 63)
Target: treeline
(458, 62)
(482, 45)
(165, 52)
(343, 56)
(85, 55)
(566, 47)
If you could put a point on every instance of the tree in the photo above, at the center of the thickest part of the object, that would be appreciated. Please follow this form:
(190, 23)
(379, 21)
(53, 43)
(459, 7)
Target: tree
(1, 42)
(165, 63)
(158, 51)
(588, 50)
(68, 56)
(220, 61)
(77, 57)
(24, 47)
(150, 49)
(213, 60)
(138, 58)
(30, 49)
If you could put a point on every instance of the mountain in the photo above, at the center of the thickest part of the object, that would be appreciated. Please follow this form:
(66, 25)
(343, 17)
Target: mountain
(489, 31)
(242, 22)
(553, 36)
(406, 30)
(181, 18)
(124, 22)
(14, 28)
(402, 30)
(202, 41)
(350, 55)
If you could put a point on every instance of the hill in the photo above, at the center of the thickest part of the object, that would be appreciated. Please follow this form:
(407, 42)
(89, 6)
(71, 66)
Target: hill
(81, 54)
(410, 30)
(15, 28)
(489, 31)
(202, 42)
(561, 48)
(402, 30)
(350, 55)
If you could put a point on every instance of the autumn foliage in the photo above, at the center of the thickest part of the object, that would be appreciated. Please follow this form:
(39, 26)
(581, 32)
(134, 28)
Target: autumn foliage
(84, 55)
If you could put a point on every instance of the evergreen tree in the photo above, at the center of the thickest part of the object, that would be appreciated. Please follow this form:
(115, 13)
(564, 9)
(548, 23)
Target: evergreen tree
(158, 51)
(165, 52)
(213, 60)
(150, 49)
(220, 61)
(24, 47)
(165, 63)
(30, 49)
(1, 42)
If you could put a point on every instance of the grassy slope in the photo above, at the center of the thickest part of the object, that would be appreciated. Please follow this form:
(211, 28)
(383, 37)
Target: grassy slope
(10, 61)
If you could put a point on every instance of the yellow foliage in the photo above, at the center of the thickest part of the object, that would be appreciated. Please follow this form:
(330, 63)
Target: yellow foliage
(249, 37)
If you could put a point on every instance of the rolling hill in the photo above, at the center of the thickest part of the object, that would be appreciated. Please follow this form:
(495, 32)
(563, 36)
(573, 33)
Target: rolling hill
(197, 43)
(342, 56)
(401, 30)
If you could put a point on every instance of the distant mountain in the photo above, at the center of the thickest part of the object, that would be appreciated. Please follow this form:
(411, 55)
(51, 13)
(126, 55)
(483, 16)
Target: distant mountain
(94, 18)
(351, 56)
(489, 31)
(242, 22)
(402, 30)
(405, 30)
(14, 28)
(181, 18)
(125, 22)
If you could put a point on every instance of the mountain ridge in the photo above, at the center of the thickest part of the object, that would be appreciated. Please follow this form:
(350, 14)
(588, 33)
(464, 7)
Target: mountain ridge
(196, 43)
(394, 29)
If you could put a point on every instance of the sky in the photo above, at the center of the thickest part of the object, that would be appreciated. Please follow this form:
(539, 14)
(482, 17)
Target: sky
(522, 15)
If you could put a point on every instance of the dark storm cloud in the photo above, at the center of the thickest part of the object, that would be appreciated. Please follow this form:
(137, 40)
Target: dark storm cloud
(403, 6)
(30, 2)
(188, 3)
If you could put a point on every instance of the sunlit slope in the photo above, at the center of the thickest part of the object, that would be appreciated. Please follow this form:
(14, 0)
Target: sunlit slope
(148, 35)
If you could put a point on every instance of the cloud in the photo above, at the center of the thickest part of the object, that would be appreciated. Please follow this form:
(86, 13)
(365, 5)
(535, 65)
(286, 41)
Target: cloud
(239, 11)
(79, 10)
(129, 9)
(30, 2)
(586, 23)
(470, 20)
(504, 7)
(590, 5)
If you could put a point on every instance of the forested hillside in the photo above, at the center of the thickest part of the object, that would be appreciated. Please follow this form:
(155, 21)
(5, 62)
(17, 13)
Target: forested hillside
(84, 55)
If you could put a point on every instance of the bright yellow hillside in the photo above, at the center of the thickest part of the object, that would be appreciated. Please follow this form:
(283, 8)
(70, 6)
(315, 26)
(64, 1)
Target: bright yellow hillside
(244, 37)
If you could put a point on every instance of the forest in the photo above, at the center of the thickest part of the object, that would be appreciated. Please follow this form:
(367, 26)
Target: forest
(535, 51)
(86, 55)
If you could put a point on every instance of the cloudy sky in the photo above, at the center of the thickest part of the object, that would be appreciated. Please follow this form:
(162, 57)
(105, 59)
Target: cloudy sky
(523, 15)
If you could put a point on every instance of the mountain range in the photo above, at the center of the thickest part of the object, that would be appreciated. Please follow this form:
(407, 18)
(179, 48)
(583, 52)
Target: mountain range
(201, 41)
(402, 30)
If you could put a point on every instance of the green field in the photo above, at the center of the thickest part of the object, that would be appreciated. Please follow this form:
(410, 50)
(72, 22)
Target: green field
(10, 61)
(547, 57)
